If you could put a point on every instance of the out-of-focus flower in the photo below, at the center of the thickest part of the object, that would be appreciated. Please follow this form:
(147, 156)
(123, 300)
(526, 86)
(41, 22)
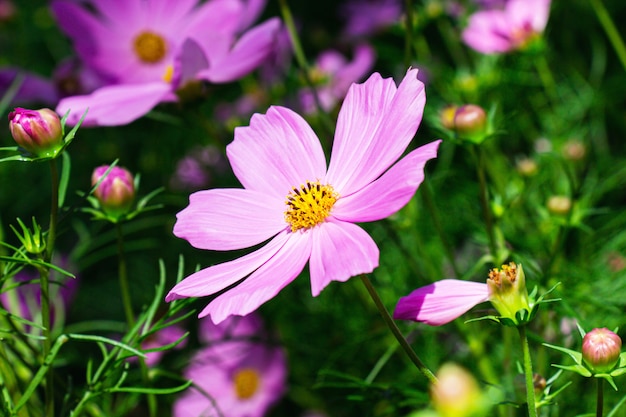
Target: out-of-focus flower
(194, 171)
(39, 132)
(443, 301)
(574, 150)
(601, 350)
(527, 167)
(240, 373)
(470, 121)
(7, 10)
(161, 338)
(456, 393)
(332, 74)
(559, 204)
(364, 18)
(509, 29)
(308, 211)
(116, 192)
(21, 295)
(33, 89)
(148, 50)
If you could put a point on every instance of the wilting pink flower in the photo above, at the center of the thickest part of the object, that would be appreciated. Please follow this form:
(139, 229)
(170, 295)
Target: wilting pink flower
(308, 211)
(498, 31)
(333, 75)
(441, 301)
(364, 18)
(241, 375)
(149, 49)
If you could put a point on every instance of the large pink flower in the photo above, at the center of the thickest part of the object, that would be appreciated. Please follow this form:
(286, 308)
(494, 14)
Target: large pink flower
(308, 211)
(441, 302)
(498, 31)
(148, 49)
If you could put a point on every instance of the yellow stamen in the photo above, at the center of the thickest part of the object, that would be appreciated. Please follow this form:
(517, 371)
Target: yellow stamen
(247, 381)
(150, 47)
(169, 73)
(309, 205)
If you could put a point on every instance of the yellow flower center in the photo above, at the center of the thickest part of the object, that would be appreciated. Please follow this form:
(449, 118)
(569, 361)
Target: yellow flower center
(247, 381)
(150, 47)
(508, 272)
(309, 205)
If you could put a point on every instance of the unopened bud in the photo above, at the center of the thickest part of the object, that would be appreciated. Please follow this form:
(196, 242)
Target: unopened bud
(601, 350)
(456, 393)
(559, 204)
(39, 132)
(116, 192)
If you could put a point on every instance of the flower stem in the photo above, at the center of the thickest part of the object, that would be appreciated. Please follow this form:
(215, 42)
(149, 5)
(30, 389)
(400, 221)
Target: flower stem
(611, 31)
(44, 273)
(123, 277)
(396, 331)
(528, 372)
(484, 201)
(600, 398)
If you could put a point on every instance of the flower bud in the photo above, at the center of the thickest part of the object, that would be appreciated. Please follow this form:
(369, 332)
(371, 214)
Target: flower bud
(456, 393)
(447, 116)
(470, 123)
(39, 132)
(507, 290)
(116, 192)
(601, 350)
(559, 205)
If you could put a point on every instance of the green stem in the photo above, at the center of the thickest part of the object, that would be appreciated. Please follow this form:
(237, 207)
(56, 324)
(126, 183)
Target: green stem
(396, 331)
(484, 201)
(528, 372)
(408, 40)
(611, 31)
(600, 398)
(545, 74)
(45, 285)
(123, 277)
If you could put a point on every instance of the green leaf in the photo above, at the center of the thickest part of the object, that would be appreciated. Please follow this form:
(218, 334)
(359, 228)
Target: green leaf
(65, 178)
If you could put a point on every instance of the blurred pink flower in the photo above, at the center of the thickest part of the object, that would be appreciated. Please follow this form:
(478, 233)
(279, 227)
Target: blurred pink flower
(441, 301)
(194, 171)
(512, 28)
(240, 374)
(364, 18)
(333, 74)
(148, 49)
(308, 211)
(163, 337)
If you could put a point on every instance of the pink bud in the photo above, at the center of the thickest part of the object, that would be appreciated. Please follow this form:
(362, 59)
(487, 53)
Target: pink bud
(116, 192)
(39, 132)
(601, 350)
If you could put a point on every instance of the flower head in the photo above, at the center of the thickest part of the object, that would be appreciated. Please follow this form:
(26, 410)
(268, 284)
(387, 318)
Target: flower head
(242, 375)
(116, 190)
(512, 28)
(507, 290)
(39, 132)
(149, 49)
(306, 210)
(601, 350)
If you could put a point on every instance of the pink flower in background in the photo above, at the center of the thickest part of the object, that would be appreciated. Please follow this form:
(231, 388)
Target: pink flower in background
(21, 295)
(195, 170)
(364, 18)
(441, 302)
(161, 338)
(308, 211)
(148, 49)
(333, 74)
(498, 31)
(240, 374)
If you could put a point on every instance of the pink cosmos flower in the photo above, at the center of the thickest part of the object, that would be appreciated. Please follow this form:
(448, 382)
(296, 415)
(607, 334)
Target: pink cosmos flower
(498, 31)
(306, 210)
(240, 375)
(441, 302)
(148, 49)
(364, 18)
(333, 74)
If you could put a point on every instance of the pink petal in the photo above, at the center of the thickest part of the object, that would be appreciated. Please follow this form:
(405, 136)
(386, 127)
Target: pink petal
(533, 12)
(277, 152)
(221, 17)
(376, 123)
(215, 278)
(340, 251)
(488, 32)
(441, 302)
(80, 25)
(265, 282)
(227, 219)
(248, 53)
(389, 193)
(114, 105)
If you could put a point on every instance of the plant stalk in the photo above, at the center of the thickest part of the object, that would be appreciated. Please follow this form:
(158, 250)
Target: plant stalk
(528, 372)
